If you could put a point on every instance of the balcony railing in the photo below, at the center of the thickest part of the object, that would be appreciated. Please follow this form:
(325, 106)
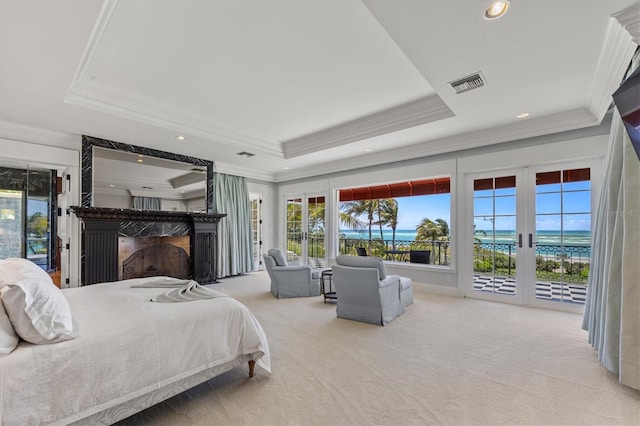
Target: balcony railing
(563, 263)
(568, 263)
(398, 250)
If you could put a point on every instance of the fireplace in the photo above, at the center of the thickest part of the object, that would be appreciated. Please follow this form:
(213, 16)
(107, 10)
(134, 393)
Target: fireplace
(164, 243)
(141, 257)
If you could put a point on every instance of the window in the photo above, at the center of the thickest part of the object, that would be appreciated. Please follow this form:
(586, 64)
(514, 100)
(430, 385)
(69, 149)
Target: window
(402, 221)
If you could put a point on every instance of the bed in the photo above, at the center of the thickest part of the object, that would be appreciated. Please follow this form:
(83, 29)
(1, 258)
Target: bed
(128, 353)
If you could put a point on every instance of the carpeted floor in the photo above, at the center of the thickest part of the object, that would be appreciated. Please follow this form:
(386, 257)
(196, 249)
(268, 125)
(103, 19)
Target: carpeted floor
(447, 360)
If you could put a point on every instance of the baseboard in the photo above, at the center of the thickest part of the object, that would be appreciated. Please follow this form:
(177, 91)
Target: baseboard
(437, 289)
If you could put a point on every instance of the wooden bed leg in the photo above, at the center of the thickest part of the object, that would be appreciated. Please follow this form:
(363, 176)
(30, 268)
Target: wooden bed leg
(252, 365)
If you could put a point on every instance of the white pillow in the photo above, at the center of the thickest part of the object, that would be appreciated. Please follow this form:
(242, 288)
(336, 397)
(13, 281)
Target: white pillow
(15, 269)
(8, 338)
(37, 309)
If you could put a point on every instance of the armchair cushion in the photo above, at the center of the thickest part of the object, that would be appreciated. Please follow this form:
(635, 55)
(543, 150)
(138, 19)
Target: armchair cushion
(363, 262)
(278, 256)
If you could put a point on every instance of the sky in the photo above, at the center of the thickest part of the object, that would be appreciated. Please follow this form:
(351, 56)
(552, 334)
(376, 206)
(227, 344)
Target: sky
(411, 210)
(575, 202)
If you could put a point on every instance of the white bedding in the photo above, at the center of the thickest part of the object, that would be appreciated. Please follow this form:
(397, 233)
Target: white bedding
(127, 347)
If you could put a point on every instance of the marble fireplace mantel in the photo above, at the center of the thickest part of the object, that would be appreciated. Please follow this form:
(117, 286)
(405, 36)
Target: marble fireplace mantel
(103, 226)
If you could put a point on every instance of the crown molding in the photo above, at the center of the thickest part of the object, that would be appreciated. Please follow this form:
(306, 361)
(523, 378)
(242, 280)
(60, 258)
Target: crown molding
(410, 114)
(547, 125)
(96, 96)
(108, 6)
(629, 19)
(251, 173)
(620, 42)
(23, 133)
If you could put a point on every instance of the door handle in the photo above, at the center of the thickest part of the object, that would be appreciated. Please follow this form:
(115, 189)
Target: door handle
(531, 242)
(519, 242)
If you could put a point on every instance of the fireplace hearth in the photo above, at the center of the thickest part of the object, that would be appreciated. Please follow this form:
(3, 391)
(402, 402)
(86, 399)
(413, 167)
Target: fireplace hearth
(103, 227)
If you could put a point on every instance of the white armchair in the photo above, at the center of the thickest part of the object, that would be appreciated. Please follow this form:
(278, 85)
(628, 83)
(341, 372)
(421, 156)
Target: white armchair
(366, 293)
(290, 280)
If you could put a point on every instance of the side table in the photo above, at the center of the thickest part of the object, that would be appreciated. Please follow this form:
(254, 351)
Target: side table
(330, 295)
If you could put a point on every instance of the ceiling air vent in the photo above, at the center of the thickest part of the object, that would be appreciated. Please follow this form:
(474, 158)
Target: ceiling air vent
(467, 83)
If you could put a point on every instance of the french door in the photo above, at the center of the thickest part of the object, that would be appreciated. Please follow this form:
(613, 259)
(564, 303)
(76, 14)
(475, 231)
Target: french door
(531, 235)
(256, 229)
(497, 249)
(305, 230)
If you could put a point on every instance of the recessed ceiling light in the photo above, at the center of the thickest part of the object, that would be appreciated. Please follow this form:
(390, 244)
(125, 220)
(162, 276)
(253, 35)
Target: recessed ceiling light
(180, 137)
(496, 9)
(140, 160)
(285, 168)
(522, 115)
(112, 186)
(368, 150)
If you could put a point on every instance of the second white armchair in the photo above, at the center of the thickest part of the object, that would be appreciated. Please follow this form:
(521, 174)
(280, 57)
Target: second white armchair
(366, 293)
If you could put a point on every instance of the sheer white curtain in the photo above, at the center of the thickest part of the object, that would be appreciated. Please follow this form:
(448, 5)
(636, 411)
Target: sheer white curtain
(234, 254)
(612, 310)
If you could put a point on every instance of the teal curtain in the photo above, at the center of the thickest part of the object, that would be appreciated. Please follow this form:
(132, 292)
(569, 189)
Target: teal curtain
(612, 309)
(235, 253)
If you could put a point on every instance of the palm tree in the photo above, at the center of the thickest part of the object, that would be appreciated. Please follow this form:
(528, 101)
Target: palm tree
(388, 216)
(359, 208)
(316, 217)
(432, 230)
(38, 224)
(444, 229)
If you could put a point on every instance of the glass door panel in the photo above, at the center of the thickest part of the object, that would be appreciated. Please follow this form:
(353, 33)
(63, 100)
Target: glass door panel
(494, 226)
(316, 232)
(256, 229)
(27, 207)
(562, 235)
(11, 220)
(294, 230)
(305, 228)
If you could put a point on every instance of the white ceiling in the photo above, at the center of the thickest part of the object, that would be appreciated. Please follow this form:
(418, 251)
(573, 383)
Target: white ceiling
(310, 87)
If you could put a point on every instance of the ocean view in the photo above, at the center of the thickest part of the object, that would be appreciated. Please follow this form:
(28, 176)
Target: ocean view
(501, 237)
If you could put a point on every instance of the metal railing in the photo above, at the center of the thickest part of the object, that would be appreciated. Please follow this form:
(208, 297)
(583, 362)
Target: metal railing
(554, 262)
(565, 263)
(398, 250)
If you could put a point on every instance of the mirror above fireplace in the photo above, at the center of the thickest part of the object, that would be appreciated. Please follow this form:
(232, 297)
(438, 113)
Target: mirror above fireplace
(113, 173)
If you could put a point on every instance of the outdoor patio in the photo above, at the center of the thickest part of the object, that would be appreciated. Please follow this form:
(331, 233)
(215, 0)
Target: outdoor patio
(561, 292)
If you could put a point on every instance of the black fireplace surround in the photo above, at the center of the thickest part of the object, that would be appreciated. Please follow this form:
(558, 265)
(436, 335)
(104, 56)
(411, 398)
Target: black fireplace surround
(103, 226)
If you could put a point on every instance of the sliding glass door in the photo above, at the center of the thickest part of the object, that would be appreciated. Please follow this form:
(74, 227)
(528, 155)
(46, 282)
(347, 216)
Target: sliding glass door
(27, 214)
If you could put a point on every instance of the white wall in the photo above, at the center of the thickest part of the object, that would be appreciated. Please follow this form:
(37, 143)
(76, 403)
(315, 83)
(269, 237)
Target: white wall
(113, 201)
(269, 211)
(568, 146)
(173, 205)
